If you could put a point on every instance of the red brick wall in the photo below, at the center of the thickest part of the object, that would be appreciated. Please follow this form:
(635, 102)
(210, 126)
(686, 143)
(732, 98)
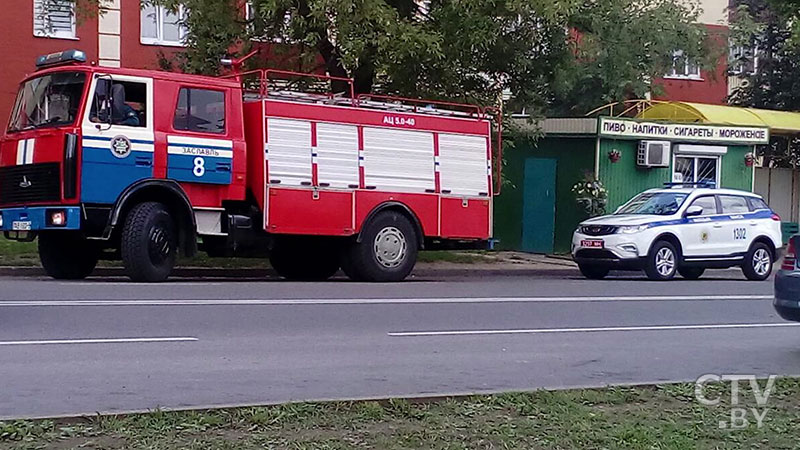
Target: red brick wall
(19, 48)
(713, 88)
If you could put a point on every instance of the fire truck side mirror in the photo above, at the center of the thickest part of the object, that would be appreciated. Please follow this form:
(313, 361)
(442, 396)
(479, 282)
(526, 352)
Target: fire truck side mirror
(103, 101)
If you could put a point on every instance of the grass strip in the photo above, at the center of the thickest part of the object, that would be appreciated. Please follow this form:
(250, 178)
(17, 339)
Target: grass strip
(654, 417)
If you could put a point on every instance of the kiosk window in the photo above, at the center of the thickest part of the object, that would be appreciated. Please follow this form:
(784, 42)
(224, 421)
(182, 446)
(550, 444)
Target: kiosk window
(200, 110)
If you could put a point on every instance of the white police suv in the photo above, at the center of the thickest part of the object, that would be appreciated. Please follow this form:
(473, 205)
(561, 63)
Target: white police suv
(681, 230)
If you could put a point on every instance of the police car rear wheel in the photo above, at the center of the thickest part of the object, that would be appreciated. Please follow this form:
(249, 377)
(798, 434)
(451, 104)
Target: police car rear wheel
(149, 243)
(662, 262)
(758, 262)
(67, 255)
(593, 272)
(691, 273)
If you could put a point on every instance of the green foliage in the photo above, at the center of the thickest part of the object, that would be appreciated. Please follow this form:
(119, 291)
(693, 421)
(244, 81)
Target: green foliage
(767, 32)
(555, 57)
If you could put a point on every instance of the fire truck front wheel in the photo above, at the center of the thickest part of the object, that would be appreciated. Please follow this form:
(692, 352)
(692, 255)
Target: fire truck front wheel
(149, 242)
(66, 255)
(387, 250)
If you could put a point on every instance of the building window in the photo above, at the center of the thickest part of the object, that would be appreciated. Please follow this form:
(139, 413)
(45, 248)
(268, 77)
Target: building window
(696, 169)
(162, 27)
(54, 18)
(743, 60)
(200, 110)
(683, 67)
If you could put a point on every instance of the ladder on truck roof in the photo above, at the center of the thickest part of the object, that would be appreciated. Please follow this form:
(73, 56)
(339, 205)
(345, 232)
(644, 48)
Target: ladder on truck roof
(300, 87)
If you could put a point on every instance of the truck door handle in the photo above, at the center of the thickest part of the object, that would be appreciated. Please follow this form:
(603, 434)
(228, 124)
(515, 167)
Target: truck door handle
(144, 162)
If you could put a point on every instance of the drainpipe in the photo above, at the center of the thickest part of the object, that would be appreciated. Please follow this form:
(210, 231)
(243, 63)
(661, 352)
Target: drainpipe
(597, 159)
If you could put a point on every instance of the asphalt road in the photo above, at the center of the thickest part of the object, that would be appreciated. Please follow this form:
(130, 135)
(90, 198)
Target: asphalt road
(106, 345)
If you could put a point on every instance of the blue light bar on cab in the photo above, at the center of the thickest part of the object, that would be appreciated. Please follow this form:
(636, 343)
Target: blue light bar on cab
(65, 57)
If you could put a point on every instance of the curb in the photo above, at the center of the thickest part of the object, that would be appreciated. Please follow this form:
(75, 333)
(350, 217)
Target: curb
(251, 273)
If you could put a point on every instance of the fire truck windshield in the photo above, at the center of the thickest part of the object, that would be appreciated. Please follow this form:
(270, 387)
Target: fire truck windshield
(48, 101)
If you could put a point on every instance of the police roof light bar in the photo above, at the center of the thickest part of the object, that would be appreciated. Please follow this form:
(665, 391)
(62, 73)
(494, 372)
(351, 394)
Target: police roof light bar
(59, 58)
(700, 184)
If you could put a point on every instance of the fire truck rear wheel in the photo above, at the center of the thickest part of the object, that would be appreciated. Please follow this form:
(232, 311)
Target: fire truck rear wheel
(301, 259)
(66, 255)
(149, 243)
(386, 252)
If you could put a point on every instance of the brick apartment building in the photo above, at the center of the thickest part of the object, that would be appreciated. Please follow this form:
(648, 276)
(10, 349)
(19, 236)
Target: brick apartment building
(127, 35)
(688, 82)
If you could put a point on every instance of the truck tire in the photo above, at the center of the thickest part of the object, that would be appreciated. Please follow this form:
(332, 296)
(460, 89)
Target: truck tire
(304, 259)
(593, 272)
(66, 255)
(757, 265)
(691, 273)
(149, 243)
(662, 262)
(387, 250)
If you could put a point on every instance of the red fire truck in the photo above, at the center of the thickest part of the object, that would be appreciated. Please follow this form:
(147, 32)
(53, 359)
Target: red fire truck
(143, 166)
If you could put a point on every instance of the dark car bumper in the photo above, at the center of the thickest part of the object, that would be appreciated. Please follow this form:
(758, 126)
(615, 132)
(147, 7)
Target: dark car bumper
(605, 258)
(787, 295)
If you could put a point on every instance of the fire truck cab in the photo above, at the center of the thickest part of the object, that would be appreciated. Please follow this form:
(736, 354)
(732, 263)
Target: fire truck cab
(140, 165)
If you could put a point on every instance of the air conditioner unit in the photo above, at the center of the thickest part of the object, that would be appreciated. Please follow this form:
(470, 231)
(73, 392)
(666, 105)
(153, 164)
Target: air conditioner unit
(653, 154)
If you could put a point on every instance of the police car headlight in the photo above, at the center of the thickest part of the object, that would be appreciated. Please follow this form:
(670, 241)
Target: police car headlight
(630, 229)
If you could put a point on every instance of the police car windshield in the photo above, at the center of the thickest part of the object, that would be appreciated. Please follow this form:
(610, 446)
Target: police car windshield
(48, 101)
(656, 203)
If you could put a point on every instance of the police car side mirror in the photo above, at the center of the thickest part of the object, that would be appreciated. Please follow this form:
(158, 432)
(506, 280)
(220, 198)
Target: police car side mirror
(693, 211)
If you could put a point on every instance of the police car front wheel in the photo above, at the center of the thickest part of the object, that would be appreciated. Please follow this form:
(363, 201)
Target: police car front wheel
(662, 262)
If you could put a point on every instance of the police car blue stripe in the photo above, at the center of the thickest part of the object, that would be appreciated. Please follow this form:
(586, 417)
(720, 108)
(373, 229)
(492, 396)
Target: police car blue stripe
(762, 214)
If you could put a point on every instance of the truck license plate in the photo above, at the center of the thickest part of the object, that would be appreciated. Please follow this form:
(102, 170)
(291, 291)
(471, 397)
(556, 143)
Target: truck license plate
(592, 244)
(21, 225)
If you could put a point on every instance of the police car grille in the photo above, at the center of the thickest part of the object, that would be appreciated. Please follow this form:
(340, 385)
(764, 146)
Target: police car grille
(598, 230)
(30, 183)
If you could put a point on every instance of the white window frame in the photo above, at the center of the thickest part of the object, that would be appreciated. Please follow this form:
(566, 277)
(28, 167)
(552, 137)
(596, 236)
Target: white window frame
(159, 40)
(41, 27)
(738, 67)
(687, 73)
(695, 157)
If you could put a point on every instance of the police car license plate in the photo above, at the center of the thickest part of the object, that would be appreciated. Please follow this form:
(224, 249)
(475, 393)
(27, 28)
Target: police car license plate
(593, 243)
(21, 225)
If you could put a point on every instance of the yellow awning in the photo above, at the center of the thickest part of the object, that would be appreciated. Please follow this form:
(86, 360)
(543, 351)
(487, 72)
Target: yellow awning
(778, 122)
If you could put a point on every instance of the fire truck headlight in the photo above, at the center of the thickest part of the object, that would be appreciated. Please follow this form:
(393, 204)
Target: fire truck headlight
(57, 218)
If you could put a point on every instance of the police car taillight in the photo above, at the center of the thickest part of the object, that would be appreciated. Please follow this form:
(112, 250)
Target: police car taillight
(790, 259)
(776, 217)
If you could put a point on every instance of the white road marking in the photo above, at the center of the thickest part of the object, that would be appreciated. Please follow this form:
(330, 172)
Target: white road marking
(374, 301)
(101, 341)
(593, 330)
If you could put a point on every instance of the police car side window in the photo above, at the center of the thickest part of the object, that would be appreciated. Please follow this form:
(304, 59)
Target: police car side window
(708, 203)
(200, 110)
(733, 204)
(756, 204)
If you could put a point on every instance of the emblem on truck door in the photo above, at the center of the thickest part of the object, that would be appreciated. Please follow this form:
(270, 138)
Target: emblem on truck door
(120, 146)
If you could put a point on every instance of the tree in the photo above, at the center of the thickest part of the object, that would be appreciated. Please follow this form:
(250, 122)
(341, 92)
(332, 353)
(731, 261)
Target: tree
(461, 50)
(769, 68)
